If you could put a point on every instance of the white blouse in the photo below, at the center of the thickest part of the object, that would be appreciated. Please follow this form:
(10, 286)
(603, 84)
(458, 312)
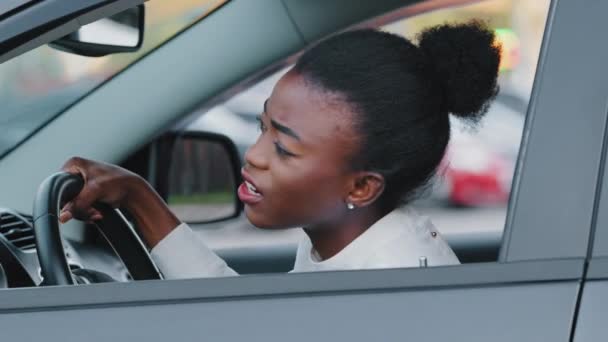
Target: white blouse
(400, 239)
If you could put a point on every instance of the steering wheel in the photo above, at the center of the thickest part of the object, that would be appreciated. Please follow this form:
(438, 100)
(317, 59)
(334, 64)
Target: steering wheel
(60, 188)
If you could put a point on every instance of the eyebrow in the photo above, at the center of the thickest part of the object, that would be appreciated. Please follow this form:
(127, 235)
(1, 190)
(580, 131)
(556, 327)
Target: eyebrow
(281, 128)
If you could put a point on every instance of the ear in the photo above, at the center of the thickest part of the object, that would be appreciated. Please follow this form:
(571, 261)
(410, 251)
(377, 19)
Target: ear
(365, 189)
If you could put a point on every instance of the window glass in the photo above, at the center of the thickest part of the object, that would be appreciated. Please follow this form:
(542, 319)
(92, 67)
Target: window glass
(468, 199)
(470, 195)
(40, 84)
(201, 183)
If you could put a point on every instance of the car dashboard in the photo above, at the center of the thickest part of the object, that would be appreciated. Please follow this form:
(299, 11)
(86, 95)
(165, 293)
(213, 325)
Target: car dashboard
(19, 260)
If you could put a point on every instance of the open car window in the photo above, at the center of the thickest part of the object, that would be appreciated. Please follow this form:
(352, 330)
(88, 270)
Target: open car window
(468, 199)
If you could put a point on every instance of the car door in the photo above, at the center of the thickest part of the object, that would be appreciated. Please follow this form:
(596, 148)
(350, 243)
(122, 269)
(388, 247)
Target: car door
(530, 294)
(593, 297)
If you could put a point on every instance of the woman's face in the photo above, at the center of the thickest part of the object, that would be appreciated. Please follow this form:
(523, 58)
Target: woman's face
(296, 174)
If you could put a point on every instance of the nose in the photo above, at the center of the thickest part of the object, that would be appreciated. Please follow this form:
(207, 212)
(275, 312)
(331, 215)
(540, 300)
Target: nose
(256, 155)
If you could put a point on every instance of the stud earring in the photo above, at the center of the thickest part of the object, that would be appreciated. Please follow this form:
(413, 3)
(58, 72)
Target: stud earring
(350, 206)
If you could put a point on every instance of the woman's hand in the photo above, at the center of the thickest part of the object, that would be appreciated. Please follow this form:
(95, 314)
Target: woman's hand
(104, 183)
(117, 187)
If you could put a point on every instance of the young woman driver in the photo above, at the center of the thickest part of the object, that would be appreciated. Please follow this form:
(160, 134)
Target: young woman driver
(347, 137)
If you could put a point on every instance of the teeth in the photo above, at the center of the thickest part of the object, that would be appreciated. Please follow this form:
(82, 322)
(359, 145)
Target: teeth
(251, 188)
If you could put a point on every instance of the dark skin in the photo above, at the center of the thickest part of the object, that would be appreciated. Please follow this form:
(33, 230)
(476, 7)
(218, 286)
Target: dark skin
(300, 165)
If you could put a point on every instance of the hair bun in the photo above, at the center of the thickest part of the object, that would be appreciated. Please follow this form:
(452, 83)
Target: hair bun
(465, 58)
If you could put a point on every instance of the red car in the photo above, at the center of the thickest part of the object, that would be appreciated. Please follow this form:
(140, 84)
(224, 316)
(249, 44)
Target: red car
(478, 167)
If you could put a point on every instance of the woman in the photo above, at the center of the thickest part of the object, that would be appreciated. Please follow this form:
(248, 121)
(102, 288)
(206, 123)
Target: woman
(348, 136)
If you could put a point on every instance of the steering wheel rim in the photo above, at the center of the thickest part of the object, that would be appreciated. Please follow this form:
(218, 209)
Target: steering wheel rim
(59, 188)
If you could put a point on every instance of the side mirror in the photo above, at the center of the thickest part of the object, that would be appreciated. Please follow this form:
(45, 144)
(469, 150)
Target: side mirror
(203, 177)
(122, 32)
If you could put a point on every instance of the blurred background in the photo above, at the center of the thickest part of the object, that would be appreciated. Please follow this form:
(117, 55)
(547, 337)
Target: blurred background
(472, 188)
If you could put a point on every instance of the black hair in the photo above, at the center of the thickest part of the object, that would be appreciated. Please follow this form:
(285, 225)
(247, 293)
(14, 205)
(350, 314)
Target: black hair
(402, 94)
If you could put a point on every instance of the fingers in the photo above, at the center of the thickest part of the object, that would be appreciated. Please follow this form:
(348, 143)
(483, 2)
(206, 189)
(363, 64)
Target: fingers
(81, 207)
(103, 183)
(65, 215)
(96, 217)
(91, 214)
(76, 165)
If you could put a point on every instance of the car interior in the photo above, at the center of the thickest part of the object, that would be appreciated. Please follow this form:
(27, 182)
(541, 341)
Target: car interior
(36, 251)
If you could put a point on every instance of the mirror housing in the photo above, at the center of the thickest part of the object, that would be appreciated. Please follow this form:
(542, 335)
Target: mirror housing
(201, 176)
(122, 32)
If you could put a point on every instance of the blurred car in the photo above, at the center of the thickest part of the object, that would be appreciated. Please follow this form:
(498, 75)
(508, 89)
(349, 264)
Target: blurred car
(478, 166)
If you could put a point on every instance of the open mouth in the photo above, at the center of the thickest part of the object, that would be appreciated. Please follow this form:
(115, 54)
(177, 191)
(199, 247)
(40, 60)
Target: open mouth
(252, 189)
(248, 192)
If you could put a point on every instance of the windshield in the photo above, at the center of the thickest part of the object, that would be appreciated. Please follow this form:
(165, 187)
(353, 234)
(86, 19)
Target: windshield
(39, 85)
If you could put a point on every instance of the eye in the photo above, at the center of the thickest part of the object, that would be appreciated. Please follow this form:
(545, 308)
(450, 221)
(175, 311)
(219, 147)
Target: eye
(262, 127)
(282, 152)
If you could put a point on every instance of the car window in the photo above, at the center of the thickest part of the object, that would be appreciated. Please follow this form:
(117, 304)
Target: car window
(37, 86)
(467, 200)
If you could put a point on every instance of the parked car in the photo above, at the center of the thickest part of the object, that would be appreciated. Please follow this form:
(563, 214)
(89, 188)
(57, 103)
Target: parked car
(479, 164)
(549, 281)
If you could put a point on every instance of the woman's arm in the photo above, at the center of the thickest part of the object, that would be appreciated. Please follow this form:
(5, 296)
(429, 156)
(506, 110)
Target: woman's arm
(176, 249)
(154, 218)
(182, 254)
(119, 188)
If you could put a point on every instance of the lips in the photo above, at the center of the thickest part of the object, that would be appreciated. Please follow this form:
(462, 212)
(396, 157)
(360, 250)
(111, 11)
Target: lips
(251, 188)
(248, 191)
